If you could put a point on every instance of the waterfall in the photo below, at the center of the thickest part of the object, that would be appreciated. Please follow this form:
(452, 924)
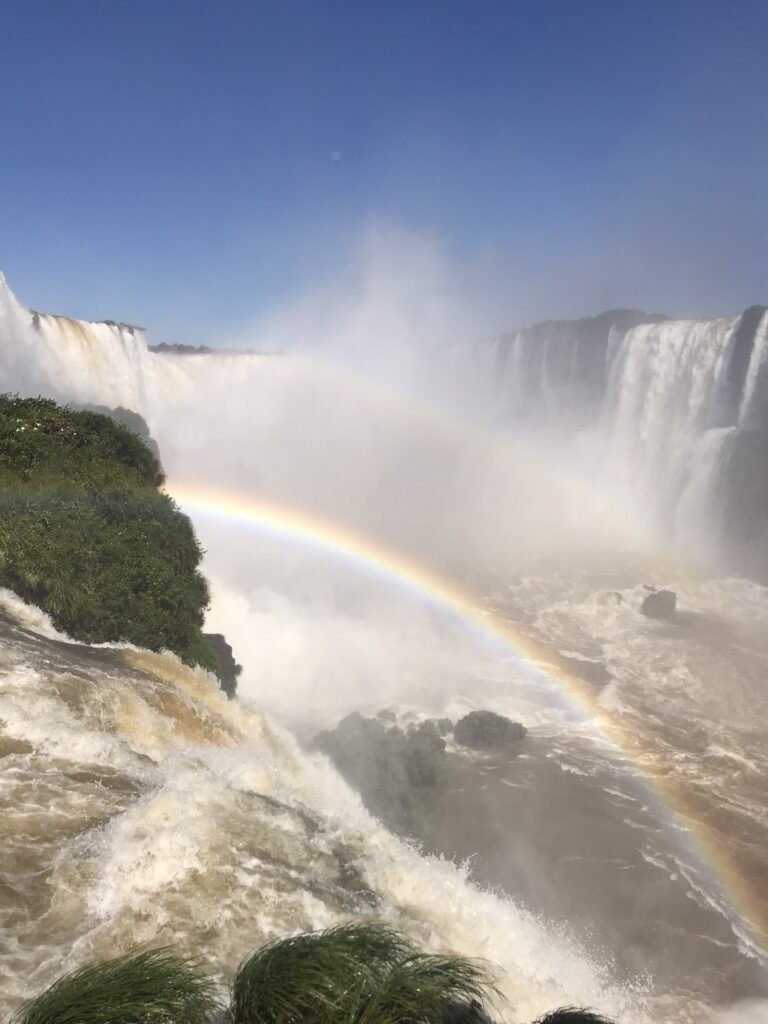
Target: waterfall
(680, 395)
(673, 410)
(752, 408)
(84, 363)
(666, 389)
(105, 363)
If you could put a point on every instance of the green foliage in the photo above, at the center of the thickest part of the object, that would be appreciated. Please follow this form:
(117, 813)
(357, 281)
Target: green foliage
(428, 990)
(43, 441)
(86, 535)
(315, 976)
(356, 974)
(155, 987)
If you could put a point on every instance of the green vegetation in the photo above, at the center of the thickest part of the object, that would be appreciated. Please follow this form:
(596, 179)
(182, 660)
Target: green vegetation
(320, 976)
(86, 535)
(357, 974)
(155, 987)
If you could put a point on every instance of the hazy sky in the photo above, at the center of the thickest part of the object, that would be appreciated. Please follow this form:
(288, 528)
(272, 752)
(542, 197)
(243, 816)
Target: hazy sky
(191, 164)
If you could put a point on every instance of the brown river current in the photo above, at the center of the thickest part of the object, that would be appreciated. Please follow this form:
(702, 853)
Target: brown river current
(141, 807)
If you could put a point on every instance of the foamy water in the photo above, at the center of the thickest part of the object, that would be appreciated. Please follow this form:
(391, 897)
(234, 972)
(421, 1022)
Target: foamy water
(141, 807)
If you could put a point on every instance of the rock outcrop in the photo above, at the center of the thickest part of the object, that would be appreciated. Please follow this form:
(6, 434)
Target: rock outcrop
(400, 771)
(660, 604)
(227, 669)
(393, 769)
(485, 730)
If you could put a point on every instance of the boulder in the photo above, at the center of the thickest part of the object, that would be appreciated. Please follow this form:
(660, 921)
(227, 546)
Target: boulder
(660, 604)
(227, 669)
(485, 730)
(393, 770)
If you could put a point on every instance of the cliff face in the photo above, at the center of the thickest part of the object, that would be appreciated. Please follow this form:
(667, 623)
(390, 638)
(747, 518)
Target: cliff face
(227, 669)
(560, 367)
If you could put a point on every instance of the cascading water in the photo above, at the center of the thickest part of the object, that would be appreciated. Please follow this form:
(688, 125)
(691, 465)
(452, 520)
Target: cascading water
(661, 405)
(663, 414)
(153, 810)
(82, 363)
(677, 398)
(150, 809)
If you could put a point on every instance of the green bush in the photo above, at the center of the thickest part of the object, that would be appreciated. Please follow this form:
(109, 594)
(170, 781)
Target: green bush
(86, 535)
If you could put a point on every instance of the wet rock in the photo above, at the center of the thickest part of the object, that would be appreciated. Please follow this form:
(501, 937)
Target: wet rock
(660, 604)
(394, 771)
(485, 730)
(227, 669)
(423, 754)
(465, 1013)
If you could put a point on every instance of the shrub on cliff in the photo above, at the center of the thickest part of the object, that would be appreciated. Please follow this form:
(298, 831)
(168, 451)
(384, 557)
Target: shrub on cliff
(86, 535)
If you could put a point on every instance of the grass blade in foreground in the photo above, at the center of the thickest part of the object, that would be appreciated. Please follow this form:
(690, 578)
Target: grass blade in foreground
(154, 986)
(319, 977)
(430, 990)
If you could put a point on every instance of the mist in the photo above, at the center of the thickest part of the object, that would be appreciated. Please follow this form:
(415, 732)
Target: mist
(376, 410)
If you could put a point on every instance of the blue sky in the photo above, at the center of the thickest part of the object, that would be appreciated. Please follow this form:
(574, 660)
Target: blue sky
(192, 164)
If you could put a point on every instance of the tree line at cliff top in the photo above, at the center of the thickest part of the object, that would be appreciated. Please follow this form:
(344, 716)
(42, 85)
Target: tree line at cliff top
(88, 536)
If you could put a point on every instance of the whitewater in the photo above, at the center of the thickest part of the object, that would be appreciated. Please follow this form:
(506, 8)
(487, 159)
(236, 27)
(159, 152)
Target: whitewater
(140, 806)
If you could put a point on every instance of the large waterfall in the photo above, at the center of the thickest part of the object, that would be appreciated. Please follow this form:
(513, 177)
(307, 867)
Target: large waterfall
(675, 408)
(145, 807)
(674, 413)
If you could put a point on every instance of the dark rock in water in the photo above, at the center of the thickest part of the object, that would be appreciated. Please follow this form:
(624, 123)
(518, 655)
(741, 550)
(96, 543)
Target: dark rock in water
(227, 669)
(485, 730)
(393, 771)
(660, 604)
(423, 754)
(465, 1013)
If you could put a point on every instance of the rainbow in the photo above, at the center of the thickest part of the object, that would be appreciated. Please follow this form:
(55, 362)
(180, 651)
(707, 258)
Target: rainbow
(363, 554)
